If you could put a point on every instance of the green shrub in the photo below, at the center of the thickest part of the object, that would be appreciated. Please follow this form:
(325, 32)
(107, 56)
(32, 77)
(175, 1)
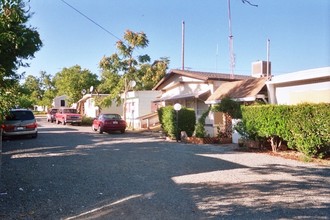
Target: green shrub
(230, 107)
(200, 126)
(87, 121)
(310, 129)
(304, 127)
(167, 119)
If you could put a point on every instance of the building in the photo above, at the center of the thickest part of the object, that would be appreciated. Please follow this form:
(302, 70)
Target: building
(312, 86)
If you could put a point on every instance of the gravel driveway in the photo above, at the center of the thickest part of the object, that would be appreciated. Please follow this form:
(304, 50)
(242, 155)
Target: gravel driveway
(69, 172)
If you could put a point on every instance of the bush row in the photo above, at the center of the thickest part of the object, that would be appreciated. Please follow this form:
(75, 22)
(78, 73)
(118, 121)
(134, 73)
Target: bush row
(305, 127)
(168, 120)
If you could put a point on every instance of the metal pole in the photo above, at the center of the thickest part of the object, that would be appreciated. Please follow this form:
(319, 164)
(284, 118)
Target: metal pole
(268, 70)
(177, 126)
(183, 30)
(231, 44)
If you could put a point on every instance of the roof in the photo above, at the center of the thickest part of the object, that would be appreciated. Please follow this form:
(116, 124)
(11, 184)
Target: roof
(201, 76)
(195, 94)
(240, 90)
(323, 72)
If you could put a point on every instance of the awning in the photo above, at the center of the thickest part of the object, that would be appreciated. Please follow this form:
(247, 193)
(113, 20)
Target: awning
(197, 94)
(244, 90)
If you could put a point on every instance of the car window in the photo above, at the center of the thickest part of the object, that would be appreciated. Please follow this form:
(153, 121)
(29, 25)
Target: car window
(20, 115)
(112, 116)
(69, 111)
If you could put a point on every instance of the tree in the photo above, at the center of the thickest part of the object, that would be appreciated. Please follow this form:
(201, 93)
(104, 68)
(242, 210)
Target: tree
(119, 69)
(37, 91)
(48, 89)
(71, 81)
(18, 42)
(150, 75)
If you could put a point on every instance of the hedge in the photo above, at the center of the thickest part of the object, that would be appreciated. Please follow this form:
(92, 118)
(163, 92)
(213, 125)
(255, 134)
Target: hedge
(167, 119)
(305, 127)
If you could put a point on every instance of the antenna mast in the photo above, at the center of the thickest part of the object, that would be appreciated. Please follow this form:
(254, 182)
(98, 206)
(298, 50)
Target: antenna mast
(268, 51)
(183, 30)
(231, 45)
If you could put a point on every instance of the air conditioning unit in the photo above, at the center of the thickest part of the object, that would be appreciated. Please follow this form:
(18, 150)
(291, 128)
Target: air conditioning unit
(259, 69)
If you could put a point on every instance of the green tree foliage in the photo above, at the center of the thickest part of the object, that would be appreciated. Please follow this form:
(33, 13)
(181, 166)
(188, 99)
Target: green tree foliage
(149, 75)
(71, 81)
(124, 66)
(37, 91)
(229, 106)
(18, 42)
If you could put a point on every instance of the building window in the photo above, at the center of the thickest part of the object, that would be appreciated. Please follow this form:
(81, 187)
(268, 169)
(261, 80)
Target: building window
(62, 103)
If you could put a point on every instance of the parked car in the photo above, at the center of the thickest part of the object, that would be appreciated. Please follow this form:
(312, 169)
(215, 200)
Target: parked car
(68, 115)
(51, 114)
(109, 123)
(20, 122)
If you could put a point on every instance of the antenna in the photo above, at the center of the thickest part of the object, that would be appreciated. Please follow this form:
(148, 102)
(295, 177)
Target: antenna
(268, 51)
(183, 30)
(216, 58)
(231, 44)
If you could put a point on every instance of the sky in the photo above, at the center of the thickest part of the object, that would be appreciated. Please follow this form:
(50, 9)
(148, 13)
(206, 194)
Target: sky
(298, 32)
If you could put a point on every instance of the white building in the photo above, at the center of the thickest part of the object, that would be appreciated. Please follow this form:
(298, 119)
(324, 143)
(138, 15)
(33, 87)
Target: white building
(60, 101)
(312, 86)
(139, 104)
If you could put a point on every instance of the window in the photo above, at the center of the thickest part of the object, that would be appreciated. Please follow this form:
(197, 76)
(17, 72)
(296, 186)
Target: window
(62, 103)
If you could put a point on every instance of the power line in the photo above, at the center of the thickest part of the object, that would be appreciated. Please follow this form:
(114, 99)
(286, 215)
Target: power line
(91, 20)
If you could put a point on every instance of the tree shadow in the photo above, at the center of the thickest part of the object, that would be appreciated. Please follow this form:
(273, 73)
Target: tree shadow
(81, 175)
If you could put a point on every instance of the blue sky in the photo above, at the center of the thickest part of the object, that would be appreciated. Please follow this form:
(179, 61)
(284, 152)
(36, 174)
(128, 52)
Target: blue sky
(299, 33)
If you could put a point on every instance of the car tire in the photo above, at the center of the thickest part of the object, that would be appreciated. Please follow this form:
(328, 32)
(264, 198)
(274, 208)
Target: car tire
(100, 130)
(64, 122)
(35, 135)
(57, 121)
(93, 128)
(122, 131)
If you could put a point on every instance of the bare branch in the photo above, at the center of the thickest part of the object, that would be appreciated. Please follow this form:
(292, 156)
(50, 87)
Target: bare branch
(247, 1)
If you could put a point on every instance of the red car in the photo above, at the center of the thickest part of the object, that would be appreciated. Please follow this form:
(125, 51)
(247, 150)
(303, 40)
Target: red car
(108, 123)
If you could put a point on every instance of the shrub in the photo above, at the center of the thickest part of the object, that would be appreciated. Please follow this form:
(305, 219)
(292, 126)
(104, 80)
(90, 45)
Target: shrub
(87, 121)
(167, 119)
(200, 126)
(310, 129)
(305, 127)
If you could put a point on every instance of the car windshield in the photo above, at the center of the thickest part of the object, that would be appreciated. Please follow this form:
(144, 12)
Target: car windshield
(20, 115)
(69, 111)
(111, 116)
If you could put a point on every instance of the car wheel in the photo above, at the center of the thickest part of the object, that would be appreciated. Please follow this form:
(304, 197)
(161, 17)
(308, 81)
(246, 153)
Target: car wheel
(93, 128)
(57, 121)
(122, 131)
(35, 135)
(64, 122)
(100, 130)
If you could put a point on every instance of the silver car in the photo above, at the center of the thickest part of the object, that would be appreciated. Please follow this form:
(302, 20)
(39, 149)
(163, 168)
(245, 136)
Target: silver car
(20, 122)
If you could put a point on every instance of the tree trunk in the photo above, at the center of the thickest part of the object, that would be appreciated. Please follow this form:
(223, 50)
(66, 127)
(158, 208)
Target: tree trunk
(275, 143)
(0, 155)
